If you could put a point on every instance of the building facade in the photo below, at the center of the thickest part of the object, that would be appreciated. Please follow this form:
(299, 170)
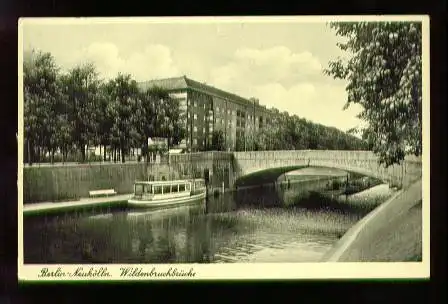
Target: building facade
(209, 109)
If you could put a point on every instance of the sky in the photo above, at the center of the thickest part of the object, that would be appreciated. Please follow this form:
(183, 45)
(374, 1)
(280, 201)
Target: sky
(280, 63)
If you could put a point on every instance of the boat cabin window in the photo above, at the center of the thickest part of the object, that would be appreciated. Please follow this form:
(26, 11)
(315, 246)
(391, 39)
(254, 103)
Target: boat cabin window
(138, 189)
(167, 189)
(174, 188)
(181, 187)
(199, 184)
(157, 189)
(148, 188)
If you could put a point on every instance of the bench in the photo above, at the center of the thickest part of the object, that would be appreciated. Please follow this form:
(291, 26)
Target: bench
(105, 192)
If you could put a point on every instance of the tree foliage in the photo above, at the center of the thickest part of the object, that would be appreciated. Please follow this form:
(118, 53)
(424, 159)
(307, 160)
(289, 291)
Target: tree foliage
(160, 117)
(123, 108)
(384, 75)
(218, 142)
(290, 132)
(81, 90)
(41, 104)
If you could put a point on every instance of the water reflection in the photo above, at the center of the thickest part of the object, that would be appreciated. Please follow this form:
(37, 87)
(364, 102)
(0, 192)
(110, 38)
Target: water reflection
(272, 224)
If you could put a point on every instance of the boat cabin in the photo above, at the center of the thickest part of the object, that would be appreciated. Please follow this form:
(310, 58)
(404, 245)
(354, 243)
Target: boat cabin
(167, 189)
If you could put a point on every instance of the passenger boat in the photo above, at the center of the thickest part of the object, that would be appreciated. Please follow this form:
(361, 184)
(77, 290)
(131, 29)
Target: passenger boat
(152, 194)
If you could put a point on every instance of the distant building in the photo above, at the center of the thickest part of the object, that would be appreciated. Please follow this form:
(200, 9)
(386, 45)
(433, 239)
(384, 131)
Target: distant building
(158, 141)
(207, 109)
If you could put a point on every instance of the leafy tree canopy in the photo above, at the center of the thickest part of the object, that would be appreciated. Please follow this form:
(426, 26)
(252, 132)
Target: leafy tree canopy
(384, 74)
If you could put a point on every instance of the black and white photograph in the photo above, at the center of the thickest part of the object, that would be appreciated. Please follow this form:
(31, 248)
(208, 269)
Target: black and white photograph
(223, 148)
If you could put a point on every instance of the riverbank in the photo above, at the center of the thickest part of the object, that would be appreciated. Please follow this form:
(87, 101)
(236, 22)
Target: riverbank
(46, 207)
(391, 232)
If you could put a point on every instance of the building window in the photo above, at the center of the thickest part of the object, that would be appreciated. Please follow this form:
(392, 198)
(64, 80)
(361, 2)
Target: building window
(217, 109)
(203, 130)
(195, 129)
(195, 103)
(195, 116)
(195, 141)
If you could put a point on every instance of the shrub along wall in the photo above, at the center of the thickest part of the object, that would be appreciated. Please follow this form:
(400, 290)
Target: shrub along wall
(73, 182)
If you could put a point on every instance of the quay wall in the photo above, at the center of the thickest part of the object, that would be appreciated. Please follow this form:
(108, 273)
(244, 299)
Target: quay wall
(59, 183)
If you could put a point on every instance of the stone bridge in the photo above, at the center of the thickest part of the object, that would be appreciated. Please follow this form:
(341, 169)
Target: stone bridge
(228, 167)
(363, 162)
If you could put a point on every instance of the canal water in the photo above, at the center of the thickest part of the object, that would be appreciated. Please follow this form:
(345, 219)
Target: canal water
(279, 223)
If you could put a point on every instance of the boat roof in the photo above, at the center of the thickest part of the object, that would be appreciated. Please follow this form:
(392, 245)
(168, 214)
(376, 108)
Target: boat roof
(169, 182)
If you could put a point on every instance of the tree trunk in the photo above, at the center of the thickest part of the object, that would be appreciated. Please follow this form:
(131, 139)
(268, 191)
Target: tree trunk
(146, 154)
(83, 153)
(30, 157)
(122, 154)
(51, 152)
(115, 155)
(104, 152)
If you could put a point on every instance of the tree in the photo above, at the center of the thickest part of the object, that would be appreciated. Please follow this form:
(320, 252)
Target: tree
(124, 94)
(81, 87)
(384, 75)
(105, 119)
(250, 139)
(42, 98)
(160, 116)
(218, 140)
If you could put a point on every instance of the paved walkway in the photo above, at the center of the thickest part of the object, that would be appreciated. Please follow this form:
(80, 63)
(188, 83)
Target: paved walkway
(391, 232)
(73, 204)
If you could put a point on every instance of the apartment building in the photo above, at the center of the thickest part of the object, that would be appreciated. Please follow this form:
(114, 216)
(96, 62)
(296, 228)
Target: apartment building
(208, 109)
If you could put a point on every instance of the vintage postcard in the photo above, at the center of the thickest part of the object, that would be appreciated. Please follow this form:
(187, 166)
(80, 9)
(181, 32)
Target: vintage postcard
(223, 148)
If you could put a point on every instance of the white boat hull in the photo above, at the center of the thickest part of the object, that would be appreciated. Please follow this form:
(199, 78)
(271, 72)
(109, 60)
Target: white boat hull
(167, 202)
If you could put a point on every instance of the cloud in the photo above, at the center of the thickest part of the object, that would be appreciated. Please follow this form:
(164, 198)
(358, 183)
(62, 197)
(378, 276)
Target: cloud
(153, 61)
(272, 65)
(280, 57)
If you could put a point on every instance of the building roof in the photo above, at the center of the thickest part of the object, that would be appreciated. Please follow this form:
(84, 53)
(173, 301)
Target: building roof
(183, 83)
(171, 84)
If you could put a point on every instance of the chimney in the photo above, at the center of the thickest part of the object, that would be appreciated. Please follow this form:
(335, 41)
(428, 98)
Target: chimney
(254, 100)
